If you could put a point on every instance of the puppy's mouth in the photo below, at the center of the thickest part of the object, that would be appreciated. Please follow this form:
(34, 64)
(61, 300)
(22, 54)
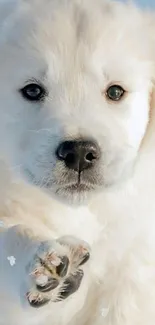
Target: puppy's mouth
(78, 188)
(75, 193)
(67, 187)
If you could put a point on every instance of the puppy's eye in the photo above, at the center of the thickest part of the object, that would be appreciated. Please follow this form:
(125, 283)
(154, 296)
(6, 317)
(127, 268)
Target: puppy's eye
(115, 92)
(33, 92)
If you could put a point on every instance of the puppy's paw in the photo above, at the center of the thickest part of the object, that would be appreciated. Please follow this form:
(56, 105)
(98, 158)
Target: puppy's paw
(55, 270)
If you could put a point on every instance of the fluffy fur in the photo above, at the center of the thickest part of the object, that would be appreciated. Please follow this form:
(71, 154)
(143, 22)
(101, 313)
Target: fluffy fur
(77, 49)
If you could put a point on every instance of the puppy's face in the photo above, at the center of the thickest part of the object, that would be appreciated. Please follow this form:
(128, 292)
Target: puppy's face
(75, 85)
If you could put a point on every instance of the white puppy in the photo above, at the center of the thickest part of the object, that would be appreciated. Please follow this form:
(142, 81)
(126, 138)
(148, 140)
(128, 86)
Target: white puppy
(77, 121)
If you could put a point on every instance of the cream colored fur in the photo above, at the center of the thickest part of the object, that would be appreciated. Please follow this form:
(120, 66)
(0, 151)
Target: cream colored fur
(113, 43)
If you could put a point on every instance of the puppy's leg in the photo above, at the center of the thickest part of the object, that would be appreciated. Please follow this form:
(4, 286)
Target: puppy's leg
(37, 272)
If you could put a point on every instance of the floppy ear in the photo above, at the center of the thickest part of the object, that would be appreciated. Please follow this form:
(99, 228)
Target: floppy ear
(151, 124)
(152, 92)
(149, 138)
(150, 134)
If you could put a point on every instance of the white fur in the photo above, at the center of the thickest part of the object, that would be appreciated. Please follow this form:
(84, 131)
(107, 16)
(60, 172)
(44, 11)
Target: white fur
(77, 48)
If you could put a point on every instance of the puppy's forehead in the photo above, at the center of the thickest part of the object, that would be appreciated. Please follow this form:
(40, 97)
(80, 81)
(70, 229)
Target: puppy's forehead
(78, 33)
(72, 22)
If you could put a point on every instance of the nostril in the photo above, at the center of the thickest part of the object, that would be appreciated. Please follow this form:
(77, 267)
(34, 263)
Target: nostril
(66, 151)
(70, 158)
(90, 157)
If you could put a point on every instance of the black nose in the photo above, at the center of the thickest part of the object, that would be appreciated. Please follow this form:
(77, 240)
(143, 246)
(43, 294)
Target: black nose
(78, 155)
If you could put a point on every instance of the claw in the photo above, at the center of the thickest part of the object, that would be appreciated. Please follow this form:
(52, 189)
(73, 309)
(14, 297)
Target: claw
(36, 302)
